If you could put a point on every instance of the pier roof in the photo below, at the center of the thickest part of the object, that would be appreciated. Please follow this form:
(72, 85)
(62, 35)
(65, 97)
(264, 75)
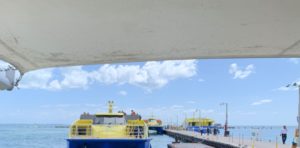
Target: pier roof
(40, 34)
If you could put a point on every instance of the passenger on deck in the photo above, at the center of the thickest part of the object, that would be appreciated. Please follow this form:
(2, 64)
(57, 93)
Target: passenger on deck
(133, 113)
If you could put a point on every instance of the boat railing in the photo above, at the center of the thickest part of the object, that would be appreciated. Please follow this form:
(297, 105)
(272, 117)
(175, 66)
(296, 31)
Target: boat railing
(82, 128)
(136, 129)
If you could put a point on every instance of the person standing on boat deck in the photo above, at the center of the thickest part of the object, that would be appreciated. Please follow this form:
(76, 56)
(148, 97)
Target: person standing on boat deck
(133, 113)
(284, 134)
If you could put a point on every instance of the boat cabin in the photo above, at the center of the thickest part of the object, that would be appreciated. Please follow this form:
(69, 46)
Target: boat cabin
(109, 118)
(199, 122)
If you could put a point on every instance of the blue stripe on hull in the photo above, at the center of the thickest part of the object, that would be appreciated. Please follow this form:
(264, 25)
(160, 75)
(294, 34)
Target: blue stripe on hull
(109, 143)
(198, 128)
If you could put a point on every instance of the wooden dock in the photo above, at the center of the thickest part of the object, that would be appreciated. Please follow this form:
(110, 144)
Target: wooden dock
(220, 141)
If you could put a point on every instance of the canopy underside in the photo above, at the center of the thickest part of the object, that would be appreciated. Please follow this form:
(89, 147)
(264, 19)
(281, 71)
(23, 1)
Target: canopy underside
(37, 34)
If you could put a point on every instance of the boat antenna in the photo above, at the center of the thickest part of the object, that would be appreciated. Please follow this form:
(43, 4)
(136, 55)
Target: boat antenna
(110, 106)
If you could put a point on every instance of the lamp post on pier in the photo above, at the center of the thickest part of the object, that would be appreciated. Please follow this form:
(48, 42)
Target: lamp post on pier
(297, 85)
(177, 124)
(226, 132)
(200, 121)
(194, 116)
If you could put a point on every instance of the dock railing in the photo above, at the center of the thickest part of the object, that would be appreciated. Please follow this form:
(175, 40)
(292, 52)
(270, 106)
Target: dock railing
(232, 141)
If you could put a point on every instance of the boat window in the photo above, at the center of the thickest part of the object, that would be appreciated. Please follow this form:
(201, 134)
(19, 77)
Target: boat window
(152, 120)
(109, 120)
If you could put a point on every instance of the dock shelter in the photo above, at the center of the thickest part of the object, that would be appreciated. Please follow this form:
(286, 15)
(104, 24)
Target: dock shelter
(41, 34)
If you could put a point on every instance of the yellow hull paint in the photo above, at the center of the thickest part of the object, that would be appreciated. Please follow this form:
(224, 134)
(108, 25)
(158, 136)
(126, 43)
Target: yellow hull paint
(86, 129)
(107, 131)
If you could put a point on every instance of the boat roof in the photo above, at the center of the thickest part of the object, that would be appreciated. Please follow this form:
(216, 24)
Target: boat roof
(35, 34)
(109, 114)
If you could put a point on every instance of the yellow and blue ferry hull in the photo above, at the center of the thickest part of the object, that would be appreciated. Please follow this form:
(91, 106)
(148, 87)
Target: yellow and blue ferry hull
(159, 129)
(109, 143)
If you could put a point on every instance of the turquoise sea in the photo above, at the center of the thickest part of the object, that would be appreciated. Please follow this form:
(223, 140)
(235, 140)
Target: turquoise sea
(262, 133)
(49, 136)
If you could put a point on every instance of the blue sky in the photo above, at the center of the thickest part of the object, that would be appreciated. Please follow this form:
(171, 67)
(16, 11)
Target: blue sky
(165, 89)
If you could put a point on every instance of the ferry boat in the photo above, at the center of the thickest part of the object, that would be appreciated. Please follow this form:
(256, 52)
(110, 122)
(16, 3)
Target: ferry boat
(155, 124)
(199, 124)
(109, 130)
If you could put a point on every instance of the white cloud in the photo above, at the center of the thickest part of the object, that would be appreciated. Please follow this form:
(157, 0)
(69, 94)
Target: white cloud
(294, 60)
(38, 79)
(72, 77)
(75, 77)
(191, 102)
(149, 76)
(54, 85)
(260, 102)
(123, 93)
(240, 73)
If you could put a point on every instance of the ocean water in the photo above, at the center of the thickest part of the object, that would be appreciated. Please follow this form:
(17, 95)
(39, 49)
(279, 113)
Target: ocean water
(32, 136)
(262, 133)
(49, 136)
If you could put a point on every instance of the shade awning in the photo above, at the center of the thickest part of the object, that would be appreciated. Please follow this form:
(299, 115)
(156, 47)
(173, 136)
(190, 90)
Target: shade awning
(37, 34)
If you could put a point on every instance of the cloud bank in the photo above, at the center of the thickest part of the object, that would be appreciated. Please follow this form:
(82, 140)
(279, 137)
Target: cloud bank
(260, 102)
(151, 75)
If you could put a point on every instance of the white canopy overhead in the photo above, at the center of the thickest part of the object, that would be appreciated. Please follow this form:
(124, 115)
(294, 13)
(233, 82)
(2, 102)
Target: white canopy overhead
(45, 33)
